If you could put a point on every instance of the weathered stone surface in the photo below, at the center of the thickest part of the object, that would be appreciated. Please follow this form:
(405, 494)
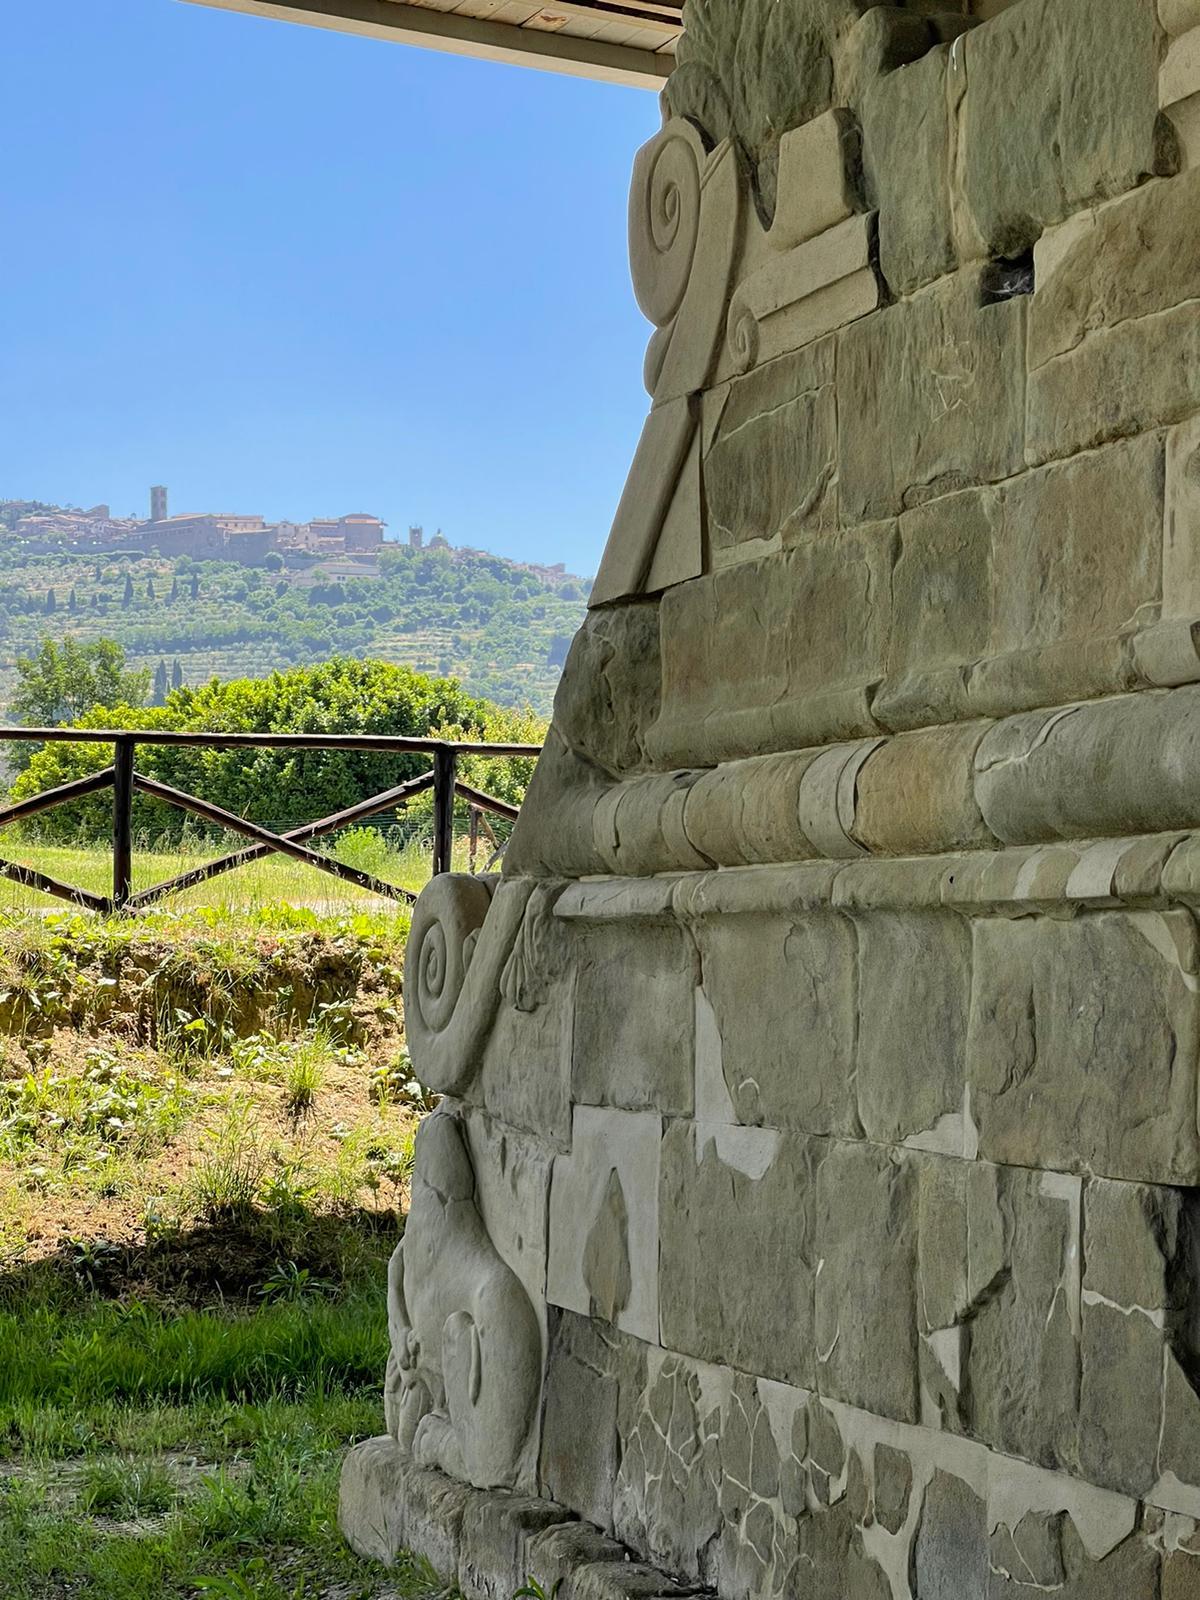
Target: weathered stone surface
(782, 991)
(906, 163)
(1129, 1572)
(800, 675)
(564, 1549)
(943, 599)
(950, 1555)
(666, 1493)
(893, 1487)
(915, 795)
(1121, 767)
(1181, 525)
(1022, 1366)
(1030, 1553)
(1061, 108)
(914, 988)
(771, 473)
(1181, 1576)
(525, 1073)
(601, 1244)
(1133, 1235)
(1122, 380)
(817, 180)
(866, 1228)
(609, 691)
(1082, 1046)
(941, 377)
(1120, 1397)
(1136, 259)
(579, 1436)
(1081, 552)
(632, 1038)
(1179, 1448)
(751, 1315)
(496, 1530)
(371, 1499)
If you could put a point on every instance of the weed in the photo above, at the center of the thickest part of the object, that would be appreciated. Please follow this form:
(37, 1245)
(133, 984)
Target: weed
(125, 1488)
(228, 1179)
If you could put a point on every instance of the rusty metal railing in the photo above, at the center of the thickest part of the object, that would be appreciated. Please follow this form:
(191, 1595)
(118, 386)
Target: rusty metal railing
(123, 778)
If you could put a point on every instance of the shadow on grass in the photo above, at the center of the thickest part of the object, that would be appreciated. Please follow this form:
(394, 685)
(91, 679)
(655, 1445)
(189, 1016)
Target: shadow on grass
(248, 1257)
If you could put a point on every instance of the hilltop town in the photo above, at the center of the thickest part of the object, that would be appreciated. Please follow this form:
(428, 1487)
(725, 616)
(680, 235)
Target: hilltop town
(246, 539)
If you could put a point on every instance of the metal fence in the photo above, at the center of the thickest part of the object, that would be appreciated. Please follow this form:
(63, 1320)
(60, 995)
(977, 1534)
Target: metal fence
(123, 778)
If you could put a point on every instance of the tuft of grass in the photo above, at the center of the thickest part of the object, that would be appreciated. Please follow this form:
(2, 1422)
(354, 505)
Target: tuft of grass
(229, 1176)
(125, 1488)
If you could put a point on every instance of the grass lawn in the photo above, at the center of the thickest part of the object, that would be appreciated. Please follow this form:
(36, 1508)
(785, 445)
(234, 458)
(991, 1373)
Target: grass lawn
(206, 1126)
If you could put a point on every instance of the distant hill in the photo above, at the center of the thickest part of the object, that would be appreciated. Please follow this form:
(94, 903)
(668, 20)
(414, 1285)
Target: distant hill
(500, 627)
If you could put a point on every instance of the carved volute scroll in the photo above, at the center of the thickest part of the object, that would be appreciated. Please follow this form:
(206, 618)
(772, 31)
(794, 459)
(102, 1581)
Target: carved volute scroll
(463, 930)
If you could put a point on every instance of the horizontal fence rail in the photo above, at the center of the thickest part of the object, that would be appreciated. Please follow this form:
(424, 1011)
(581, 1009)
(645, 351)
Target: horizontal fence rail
(125, 781)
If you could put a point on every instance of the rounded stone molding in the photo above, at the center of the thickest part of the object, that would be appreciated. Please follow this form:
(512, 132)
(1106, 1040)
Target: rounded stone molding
(664, 219)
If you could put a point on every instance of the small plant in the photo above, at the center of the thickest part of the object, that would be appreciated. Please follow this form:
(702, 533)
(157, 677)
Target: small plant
(228, 1179)
(125, 1488)
(291, 1283)
(531, 1589)
(394, 1084)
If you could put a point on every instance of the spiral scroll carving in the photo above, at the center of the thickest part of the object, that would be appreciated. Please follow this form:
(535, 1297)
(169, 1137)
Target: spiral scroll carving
(664, 219)
(462, 933)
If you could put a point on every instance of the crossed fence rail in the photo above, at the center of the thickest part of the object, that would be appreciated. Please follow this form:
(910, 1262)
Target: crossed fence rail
(125, 781)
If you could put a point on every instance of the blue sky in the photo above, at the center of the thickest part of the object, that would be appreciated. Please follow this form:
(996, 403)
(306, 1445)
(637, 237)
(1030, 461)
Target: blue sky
(290, 271)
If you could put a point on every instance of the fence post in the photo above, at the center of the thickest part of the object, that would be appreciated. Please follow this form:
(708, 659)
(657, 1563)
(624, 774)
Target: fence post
(445, 766)
(122, 821)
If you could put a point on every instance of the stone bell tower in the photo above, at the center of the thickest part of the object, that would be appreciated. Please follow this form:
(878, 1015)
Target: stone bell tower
(814, 1206)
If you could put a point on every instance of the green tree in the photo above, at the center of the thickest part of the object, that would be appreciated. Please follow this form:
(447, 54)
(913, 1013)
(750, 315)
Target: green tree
(162, 685)
(51, 605)
(127, 597)
(176, 675)
(72, 602)
(150, 594)
(195, 586)
(65, 681)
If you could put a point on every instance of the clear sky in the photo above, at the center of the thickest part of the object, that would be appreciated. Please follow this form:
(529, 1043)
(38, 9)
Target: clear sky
(287, 271)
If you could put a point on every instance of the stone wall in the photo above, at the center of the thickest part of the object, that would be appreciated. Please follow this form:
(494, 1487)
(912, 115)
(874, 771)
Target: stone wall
(822, 1132)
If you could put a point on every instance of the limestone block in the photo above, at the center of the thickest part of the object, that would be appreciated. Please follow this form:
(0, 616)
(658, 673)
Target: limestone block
(1082, 547)
(638, 826)
(555, 832)
(525, 1073)
(654, 479)
(1034, 154)
(386, 1506)
(609, 691)
(666, 1499)
(512, 1192)
(892, 1487)
(815, 188)
(1181, 1575)
(914, 988)
(371, 1499)
(496, 1531)
(1178, 16)
(1121, 380)
(1030, 1553)
(751, 1314)
(782, 991)
(906, 161)
(866, 1224)
(1120, 1396)
(566, 1548)
(942, 595)
(1178, 1486)
(1181, 523)
(1137, 259)
(1119, 767)
(1128, 1572)
(580, 1444)
(634, 1009)
(1022, 1365)
(1179, 77)
(771, 472)
(618, 1580)
(916, 794)
(748, 811)
(802, 295)
(1082, 1044)
(1133, 1234)
(941, 377)
(799, 675)
(603, 1249)
(950, 1555)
